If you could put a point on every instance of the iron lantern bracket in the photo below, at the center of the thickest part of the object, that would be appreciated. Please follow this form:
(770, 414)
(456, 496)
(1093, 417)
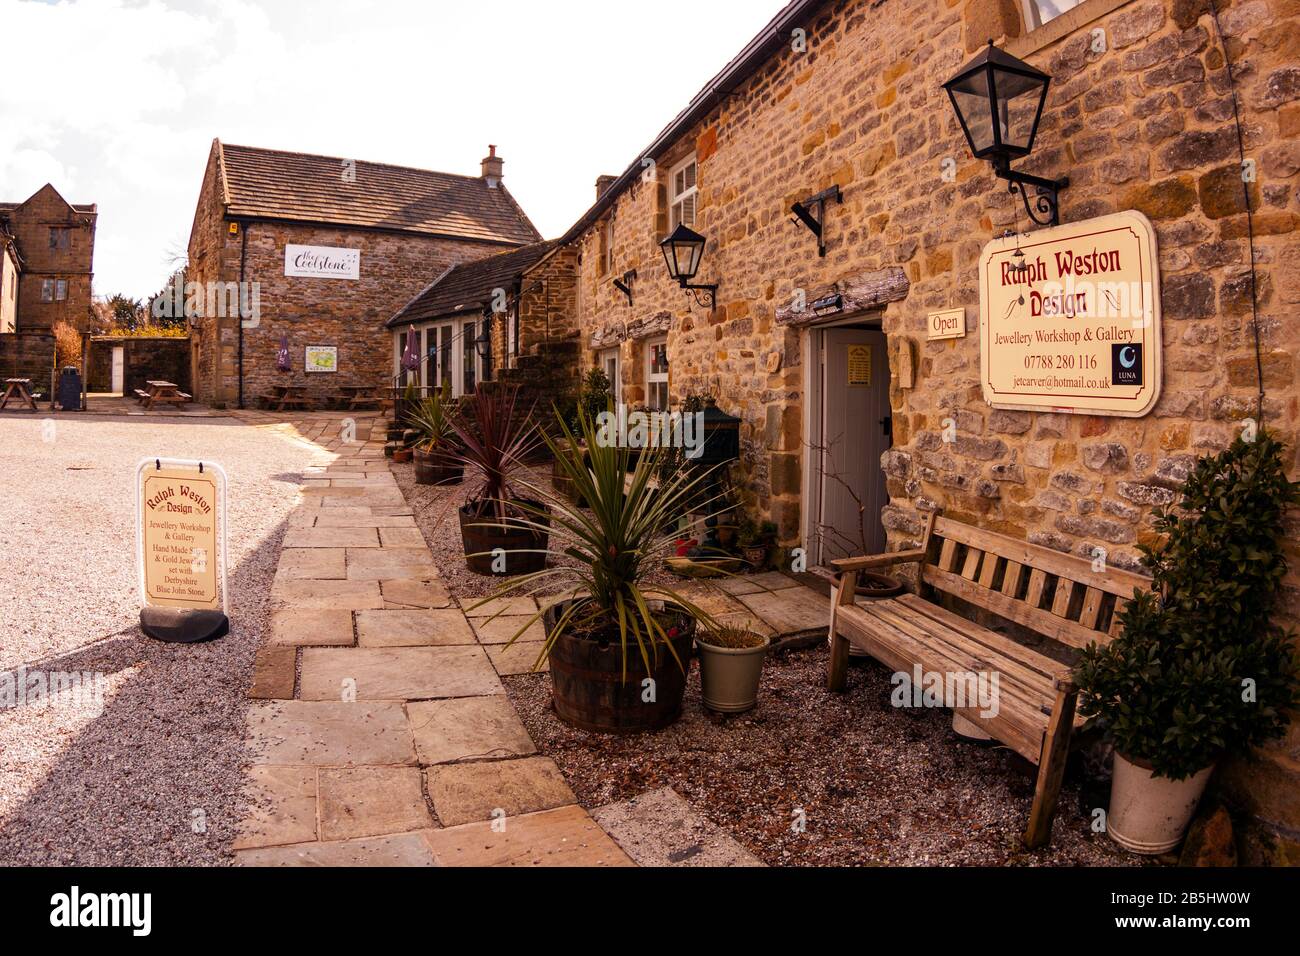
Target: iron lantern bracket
(624, 284)
(812, 213)
(1045, 208)
(711, 291)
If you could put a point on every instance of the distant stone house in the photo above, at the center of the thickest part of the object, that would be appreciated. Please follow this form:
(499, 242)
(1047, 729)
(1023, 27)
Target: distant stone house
(10, 264)
(857, 418)
(319, 252)
(50, 248)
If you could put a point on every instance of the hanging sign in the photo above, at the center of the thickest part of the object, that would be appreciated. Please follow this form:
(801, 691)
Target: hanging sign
(181, 533)
(321, 358)
(322, 262)
(859, 366)
(1070, 318)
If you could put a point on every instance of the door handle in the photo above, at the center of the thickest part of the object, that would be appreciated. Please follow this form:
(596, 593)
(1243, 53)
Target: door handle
(887, 426)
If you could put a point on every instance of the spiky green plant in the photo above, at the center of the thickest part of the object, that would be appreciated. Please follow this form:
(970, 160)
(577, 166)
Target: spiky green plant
(432, 418)
(616, 541)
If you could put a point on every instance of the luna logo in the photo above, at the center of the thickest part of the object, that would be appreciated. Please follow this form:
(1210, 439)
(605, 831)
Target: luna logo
(1125, 364)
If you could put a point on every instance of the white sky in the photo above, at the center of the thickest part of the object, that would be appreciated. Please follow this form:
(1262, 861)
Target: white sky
(132, 94)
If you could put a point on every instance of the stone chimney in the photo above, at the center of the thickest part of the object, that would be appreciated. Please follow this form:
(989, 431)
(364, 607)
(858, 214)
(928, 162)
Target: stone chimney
(492, 164)
(603, 183)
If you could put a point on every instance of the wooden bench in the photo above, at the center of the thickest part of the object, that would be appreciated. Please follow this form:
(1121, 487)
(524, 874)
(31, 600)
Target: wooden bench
(1055, 595)
(140, 394)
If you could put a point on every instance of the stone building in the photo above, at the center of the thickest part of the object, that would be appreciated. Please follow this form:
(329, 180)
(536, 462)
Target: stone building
(856, 419)
(320, 252)
(53, 242)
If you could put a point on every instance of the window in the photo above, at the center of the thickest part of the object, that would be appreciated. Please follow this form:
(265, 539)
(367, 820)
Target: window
(60, 289)
(656, 375)
(47, 290)
(612, 367)
(682, 195)
(60, 238)
(1039, 12)
(607, 247)
(447, 355)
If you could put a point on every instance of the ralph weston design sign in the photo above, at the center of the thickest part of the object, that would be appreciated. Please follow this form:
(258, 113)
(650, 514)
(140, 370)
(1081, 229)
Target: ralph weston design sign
(322, 262)
(1070, 318)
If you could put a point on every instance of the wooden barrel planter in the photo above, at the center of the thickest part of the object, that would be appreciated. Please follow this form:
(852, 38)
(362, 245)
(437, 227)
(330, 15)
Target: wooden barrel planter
(589, 689)
(437, 468)
(525, 547)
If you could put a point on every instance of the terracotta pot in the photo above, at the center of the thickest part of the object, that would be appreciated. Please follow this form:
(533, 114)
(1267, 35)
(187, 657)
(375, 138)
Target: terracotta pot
(401, 455)
(1150, 814)
(589, 689)
(729, 676)
(525, 547)
(755, 556)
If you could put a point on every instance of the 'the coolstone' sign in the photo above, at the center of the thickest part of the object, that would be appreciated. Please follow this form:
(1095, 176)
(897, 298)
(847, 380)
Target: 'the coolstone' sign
(1070, 318)
(322, 262)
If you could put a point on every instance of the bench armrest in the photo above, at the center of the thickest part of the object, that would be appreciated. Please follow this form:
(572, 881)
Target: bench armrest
(878, 560)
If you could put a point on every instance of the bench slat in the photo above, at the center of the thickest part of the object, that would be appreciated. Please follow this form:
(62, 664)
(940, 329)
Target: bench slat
(948, 554)
(1037, 582)
(1112, 580)
(1044, 622)
(1061, 600)
(1030, 687)
(971, 565)
(900, 653)
(1091, 608)
(1011, 578)
(989, 569)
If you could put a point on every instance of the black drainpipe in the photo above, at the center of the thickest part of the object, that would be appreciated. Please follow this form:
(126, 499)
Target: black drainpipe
(243, 258)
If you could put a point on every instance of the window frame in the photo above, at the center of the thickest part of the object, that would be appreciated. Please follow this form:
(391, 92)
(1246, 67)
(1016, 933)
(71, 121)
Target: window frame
(656, 378)
(675, 198)
(453, 363)
(65, 232)
(604, 357)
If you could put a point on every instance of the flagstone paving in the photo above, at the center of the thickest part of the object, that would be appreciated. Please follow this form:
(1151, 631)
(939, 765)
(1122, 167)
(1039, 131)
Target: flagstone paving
(381, 734)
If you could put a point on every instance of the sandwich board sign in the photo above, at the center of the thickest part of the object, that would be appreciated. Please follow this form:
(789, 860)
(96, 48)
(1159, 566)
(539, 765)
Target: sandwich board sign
(181, 549)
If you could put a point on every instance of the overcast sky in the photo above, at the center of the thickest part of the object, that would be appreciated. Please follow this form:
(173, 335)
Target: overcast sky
(131, 95)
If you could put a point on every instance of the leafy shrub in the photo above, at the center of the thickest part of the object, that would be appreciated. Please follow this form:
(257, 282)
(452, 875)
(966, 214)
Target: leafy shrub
(1200, 669)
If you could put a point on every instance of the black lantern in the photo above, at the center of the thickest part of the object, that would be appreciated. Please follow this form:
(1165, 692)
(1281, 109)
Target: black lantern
(683, 251)
(483, 343)
(999, 101)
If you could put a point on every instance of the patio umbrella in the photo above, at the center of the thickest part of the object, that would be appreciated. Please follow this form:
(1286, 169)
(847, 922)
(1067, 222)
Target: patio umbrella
(282, 355)
(411, 357)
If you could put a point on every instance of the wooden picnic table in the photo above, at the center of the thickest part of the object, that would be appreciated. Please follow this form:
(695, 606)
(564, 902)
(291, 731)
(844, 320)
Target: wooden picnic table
(160, 390)
(20, 388)
(358, 396)
(282, 395)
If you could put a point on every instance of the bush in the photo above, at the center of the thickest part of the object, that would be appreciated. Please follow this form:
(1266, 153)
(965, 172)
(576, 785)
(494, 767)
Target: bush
(67, 345)
(1200, 669)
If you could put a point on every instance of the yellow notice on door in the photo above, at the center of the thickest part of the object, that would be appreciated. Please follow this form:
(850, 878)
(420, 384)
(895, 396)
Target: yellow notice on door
(859, 366)
(179, 530)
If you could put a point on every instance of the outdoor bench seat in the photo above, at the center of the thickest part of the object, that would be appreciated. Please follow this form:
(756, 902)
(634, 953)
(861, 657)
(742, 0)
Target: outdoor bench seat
(1057, 596)
(140, 394)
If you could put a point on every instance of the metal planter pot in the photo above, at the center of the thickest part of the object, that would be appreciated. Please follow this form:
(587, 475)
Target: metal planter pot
(729, 676)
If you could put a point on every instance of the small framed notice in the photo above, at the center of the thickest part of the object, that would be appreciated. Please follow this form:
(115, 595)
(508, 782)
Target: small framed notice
(947, 325)
(321, 358)
(180, 533)
(859, 366)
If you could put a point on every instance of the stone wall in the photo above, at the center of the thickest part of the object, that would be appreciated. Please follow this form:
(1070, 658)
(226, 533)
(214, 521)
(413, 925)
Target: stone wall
(28, 355)
(165, 358)
(30, 225)
(1144, 121)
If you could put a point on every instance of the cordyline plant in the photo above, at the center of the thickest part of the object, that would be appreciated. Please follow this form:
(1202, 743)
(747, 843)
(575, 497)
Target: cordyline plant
(1200, 669)
(496, 441)
(432, 418)
(628, 528)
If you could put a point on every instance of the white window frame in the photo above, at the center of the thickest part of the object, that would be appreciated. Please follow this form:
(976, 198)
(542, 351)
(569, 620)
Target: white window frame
(458, 331)
(675, 198)
(1033, 16)
(655, 378)
(615, 355)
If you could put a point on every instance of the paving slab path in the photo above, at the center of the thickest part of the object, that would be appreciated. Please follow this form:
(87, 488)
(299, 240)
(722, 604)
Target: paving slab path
(380, 731)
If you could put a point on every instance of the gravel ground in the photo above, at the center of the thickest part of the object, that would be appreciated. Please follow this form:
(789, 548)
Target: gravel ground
(155, 778)
(436, 510)
(876, 784)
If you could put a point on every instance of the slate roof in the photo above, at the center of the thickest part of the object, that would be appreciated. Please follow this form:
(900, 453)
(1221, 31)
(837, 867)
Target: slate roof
(298, 187)
(468, 287)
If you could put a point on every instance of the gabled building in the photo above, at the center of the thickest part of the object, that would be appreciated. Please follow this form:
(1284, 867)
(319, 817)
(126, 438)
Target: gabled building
(51, 250)
(320, 252)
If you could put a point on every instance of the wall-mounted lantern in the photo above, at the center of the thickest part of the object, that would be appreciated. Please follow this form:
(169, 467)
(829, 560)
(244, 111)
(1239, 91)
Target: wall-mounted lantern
(483, 343)
(999, 101)
(683, 251)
